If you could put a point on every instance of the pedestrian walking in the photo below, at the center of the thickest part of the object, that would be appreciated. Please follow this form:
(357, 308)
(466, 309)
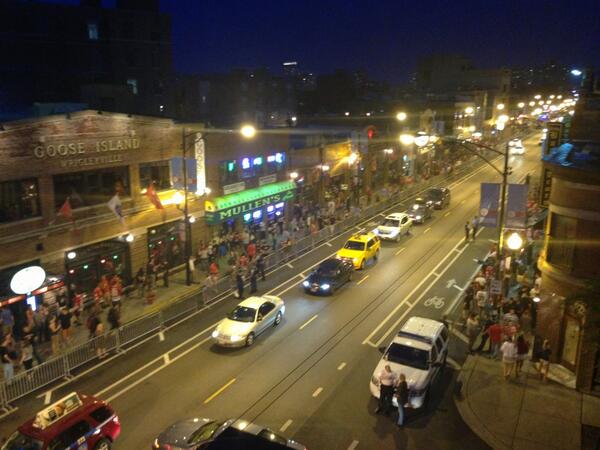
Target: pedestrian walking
(239, 284)
(27, 353)
(495, 333)
(472, 331)
(54, 327)
(522, 351)
(475, 226)
(544, 357)
(467, 231)
(114, 317)
(485, 336)
(387, 381)
(401, 398)
(260, 266)
(8, 357)
(509, 356)
(166, 275)
(253, 279)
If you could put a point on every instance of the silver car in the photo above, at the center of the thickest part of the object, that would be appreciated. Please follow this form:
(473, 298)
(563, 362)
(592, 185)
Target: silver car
(250, 318)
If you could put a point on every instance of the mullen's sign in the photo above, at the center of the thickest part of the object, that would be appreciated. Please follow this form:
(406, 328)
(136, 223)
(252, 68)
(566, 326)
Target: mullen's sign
(234, 205)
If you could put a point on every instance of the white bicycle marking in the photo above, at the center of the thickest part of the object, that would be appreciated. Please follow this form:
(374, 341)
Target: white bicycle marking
(437, 302)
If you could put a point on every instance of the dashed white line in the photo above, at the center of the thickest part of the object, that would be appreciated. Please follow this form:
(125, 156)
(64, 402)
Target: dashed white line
(166, 358)
(317, 392)
(447, 214)
(436, 274)
(456, 286)
(341, 366)
(290, 265)
(161, 336)
(427, 230)
(362, 279)
(286, 425)
(353, 445)
(48, 398)
(401, 250)
(308, 321)
(328, 244)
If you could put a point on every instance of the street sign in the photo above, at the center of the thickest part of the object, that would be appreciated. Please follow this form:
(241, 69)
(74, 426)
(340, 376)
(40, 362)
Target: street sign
(496, 287)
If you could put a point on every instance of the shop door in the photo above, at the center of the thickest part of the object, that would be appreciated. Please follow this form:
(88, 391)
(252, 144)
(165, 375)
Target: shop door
(572, 334)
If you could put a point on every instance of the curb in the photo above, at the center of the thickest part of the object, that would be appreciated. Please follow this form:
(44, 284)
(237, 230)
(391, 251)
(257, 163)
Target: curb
(461, 402)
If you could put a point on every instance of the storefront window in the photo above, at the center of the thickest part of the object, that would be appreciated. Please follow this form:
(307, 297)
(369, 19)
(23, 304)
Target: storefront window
(158, 172)
(229, 172)
(275, 162)
(91, 187)
(247, 167)
(19, 200)
(561, 244)
(165, 244)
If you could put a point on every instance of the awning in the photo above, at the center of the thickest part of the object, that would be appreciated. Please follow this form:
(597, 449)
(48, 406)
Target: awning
(233, 205)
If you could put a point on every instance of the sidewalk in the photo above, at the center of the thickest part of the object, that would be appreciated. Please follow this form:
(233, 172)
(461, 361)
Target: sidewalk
(524, 413)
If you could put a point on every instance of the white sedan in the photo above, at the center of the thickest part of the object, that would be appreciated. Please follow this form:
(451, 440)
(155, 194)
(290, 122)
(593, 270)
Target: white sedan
(250, 318)
(394, 226)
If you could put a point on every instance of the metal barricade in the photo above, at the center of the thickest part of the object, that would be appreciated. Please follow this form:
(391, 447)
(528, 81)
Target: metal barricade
(88, 351)
(35, 378)
(177, 309)
(139, 328)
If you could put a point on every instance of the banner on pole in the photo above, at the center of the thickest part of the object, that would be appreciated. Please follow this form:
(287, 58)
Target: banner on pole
(177, 173)
(516, 206)
(488, 204)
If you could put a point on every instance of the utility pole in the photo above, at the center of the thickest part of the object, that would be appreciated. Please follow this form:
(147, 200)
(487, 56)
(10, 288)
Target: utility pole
(186, 221)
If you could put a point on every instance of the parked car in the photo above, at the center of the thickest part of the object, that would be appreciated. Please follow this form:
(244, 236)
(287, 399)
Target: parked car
(330, 275)
(359, 249)
(438, 198)
(76, 421)
(394, 226)
(250, 318)
(419, 351)
(207, 434)
(419, 211)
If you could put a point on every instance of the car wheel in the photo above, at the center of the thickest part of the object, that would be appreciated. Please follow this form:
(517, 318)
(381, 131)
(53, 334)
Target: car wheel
(278, 318)
(376, 257)
(350, 276)
(362, 265)
(102, 444)
(250, 340)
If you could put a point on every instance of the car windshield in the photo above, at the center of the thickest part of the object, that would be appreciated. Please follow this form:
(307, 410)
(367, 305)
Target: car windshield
(416, 207)
(242, 314)
(355, 245)
(19, 441)
(434, 193)
(408, 356)
(390, 223)
(204, 433)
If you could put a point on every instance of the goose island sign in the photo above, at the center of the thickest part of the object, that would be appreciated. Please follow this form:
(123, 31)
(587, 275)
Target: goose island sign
(81, 154)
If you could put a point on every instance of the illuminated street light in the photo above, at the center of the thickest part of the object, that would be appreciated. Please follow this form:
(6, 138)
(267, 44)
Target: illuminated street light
(422, 140)
(177, 198)
(521, 105)
(531, 103)
(325, 168)
(388, 151)
(248, 131)
(537, 97)
(500, 106)
(401, 116)
(293, 175)
(537, 111)
(191, 219)
(541, 102)
(407, 139)
(576, 72)
(71, 255)
(536, 299)
(503, 118)
(347, 113)
(352, 158)
(515, 241)
(469, 110)
(129, 237)
(552, 96)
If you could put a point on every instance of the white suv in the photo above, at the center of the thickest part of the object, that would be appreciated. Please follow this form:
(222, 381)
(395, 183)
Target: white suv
(418, 351)
(394, 226)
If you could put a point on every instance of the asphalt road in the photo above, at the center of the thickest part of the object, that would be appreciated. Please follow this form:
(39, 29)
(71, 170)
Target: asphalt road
(309, 376)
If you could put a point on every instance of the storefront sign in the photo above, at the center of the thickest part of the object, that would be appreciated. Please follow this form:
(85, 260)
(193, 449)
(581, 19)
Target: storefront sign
(233, 188)
(78, 154)
(199, 153)
(27, 280)
(231, 206)
(267, 179)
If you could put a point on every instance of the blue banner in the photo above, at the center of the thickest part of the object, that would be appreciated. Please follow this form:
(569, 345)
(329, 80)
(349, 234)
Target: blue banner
(488, 204)
(177, 173)
(516, 206)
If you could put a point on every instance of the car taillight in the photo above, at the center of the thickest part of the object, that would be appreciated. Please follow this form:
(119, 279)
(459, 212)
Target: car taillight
(158, 446)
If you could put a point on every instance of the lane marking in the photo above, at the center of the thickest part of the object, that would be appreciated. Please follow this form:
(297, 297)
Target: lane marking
(308, 321)
(447, 214)
(341, 366)
(221, 389)
(317, 392)
(328, 244)
(435, 274)
(456, 286)
(455, 365)
(166, 358)
(401, 250)
(362, 279)
(286, 425)
(427, 230)
(290, 265)
(161, 336)
(353, 445)
(48, 398)
(292, 286)
(302, 275)
(459, 335)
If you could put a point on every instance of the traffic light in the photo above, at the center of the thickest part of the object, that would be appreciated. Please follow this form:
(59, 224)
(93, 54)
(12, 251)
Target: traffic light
(371, 133)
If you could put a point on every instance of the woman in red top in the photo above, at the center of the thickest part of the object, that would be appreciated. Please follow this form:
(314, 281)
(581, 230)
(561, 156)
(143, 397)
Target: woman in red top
(522, 351)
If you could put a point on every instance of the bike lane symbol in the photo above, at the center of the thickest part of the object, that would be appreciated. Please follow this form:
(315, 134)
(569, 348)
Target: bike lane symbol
(436, 302)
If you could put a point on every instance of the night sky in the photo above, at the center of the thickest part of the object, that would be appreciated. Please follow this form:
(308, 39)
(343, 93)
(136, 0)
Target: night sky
(384, 37)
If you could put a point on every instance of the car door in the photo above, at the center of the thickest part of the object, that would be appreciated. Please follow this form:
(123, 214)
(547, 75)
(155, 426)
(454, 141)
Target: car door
(267, 312)
(404, 225)
(370, 248)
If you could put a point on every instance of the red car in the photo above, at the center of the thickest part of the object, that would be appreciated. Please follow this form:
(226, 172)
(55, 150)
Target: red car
(75, 422)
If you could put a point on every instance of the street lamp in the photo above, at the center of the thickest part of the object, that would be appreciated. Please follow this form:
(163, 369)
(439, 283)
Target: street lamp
(407, 139)
(521, 105)
(500, 106)
(401, 116)
(248, 131)
(514, 241)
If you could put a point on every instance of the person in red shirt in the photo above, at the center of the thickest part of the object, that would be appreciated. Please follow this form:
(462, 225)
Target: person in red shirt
(251, 250)
(495, 333)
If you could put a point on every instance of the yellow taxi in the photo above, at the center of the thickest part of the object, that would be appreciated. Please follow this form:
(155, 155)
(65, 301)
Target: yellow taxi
(360, 248)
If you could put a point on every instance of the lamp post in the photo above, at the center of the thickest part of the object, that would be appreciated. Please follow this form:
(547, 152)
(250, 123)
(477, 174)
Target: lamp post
(248, 132)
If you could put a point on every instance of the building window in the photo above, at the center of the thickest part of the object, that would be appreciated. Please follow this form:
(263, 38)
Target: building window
(561, 242)
(91, 187)
(229, 172)
(247, 167)
(133, 85)
(275, 162)
(92, 29)
(19, 200)
(158, 172)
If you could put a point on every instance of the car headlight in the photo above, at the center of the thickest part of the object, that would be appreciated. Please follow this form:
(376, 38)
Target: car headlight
(305, 283)
(355, 260)
(376, 231)
(418, 217)
(394, 232)
(325, 286)
(236, 337)
(215, 333)
(375, 380)
(439, 202)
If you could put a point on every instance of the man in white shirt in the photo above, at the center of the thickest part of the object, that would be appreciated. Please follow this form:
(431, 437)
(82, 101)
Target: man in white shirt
(387, 383)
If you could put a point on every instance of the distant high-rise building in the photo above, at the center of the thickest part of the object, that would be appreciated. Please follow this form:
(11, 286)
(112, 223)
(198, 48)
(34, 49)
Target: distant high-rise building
(115, 59)
(547, 78)
(290, 68)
